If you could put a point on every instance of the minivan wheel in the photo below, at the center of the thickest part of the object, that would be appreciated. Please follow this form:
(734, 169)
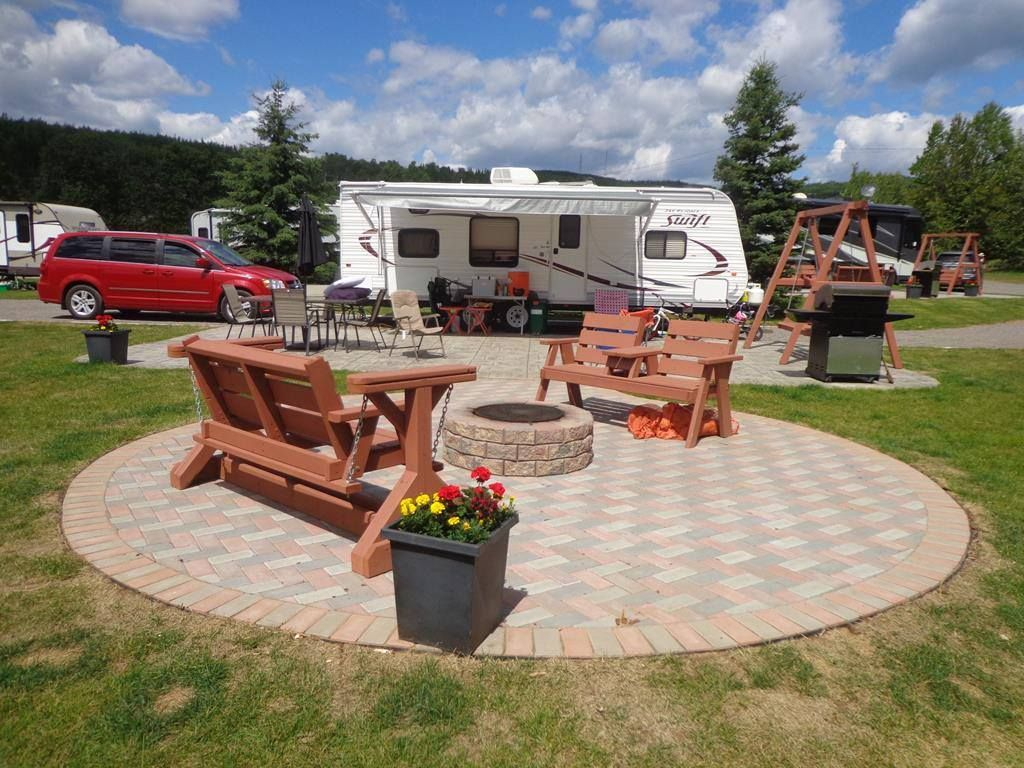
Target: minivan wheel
(225, 310)
(84, 302)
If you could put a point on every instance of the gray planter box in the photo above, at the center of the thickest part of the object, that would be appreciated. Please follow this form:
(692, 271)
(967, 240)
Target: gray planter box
(448, 594)
(107, 346)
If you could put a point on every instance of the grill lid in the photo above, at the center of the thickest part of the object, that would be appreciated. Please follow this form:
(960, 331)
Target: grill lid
(849, 293)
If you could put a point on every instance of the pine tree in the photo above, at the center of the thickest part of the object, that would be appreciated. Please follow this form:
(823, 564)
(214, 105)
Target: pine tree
(757, 166)
(265, 184)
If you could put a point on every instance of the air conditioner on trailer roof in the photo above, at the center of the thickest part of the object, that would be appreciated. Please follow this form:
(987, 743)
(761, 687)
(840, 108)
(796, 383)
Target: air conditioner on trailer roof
(513, 176)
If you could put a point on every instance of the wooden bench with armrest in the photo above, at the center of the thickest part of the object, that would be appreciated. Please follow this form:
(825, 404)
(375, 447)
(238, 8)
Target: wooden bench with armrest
(693, 365)
(278, 427)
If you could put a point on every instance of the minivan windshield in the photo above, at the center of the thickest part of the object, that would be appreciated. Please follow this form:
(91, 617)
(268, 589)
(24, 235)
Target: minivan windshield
(224, 254)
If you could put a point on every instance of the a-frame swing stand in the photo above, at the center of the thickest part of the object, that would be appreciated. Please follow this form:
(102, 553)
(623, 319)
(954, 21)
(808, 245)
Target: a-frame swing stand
(952, 276)
(823, 261)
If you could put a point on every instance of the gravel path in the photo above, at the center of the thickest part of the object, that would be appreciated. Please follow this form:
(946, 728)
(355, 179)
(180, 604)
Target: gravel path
(996, 288)
(998, 336)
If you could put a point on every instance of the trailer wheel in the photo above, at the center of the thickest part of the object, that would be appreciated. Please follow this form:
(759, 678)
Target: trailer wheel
(516, 316)
(83, 302)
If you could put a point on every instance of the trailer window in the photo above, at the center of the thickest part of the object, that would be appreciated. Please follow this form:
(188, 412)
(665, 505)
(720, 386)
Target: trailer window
(21, 224)
(419, 243)
(133, 251)
(569, 231)
(665, 245)
(493, 242)
(81, 248)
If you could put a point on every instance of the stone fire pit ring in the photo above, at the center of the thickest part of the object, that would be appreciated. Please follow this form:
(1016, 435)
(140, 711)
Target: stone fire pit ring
(535, 449)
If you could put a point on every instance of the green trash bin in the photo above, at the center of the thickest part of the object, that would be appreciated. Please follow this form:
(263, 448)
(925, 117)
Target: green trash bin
(538, 317)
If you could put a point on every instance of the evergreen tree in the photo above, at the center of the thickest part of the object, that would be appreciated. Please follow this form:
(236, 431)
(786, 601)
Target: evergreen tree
(969, 178)
(757, 166)
(264, 185)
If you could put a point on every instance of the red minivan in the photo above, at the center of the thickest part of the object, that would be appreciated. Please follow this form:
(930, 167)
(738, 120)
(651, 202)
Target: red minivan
(90, 272)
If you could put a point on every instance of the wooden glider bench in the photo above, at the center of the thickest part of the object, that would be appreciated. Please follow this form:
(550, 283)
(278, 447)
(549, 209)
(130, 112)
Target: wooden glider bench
(693, 365)
(278, 427)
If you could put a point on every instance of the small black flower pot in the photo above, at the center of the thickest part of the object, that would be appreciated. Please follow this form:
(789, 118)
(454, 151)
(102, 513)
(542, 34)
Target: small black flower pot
(970, 290)
(914, 291)
(107, 346)
(448, 593)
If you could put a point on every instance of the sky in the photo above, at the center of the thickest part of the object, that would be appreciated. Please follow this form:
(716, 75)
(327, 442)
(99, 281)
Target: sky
(627, 88)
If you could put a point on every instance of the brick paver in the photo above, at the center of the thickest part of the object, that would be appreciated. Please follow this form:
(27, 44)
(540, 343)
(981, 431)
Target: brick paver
(776, 532)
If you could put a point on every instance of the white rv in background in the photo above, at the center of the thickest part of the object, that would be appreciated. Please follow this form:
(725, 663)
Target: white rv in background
(26, 229)
(206, 223)
(573, 239)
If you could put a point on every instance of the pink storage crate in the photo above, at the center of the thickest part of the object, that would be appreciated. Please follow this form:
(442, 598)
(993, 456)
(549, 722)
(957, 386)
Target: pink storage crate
(610, 301)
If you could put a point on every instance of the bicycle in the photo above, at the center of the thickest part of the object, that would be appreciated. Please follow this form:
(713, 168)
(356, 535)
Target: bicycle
(742, 314)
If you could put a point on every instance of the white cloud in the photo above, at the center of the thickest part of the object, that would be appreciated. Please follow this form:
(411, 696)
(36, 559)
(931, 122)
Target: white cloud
(664, 34)
(374, 55)
(81, 74)
(1016, 114)
(886, 141)
(179, 19)
(500, 9)
(396, 12)
(206, 126)
(579, 27)
(937, 36)
(541, 13)
(804, 38)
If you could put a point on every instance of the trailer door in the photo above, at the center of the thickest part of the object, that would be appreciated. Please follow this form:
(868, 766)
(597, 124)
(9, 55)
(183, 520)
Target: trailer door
(568, 262)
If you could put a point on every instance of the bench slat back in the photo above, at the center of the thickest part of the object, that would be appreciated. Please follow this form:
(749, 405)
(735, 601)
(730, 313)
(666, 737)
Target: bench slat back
(294, 406)
(689, 341)
(603, 332)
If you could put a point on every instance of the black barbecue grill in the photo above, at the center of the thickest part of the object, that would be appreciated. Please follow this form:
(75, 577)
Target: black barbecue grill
(847, 325)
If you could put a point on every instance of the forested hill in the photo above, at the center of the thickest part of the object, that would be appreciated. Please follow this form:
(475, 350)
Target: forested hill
(134, 181)
(153, 183)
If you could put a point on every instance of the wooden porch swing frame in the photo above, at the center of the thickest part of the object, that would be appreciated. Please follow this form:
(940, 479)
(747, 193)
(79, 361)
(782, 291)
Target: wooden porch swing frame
(823, 261)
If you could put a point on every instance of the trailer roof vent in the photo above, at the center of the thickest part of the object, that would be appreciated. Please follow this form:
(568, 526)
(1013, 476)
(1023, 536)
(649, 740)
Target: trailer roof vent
(513, 176)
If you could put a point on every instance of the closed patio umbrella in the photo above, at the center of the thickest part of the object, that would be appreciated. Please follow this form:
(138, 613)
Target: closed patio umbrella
(311, 244)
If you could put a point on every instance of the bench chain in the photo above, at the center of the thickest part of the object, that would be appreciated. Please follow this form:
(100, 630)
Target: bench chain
(195, 394)
(355, 440)
(440, 424)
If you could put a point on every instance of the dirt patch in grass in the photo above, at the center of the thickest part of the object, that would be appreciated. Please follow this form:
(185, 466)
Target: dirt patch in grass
(174, 700)
(51, 657)
(784, 711)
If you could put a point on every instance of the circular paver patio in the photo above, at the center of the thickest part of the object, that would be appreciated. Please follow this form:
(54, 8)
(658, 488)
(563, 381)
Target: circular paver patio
(779, 531)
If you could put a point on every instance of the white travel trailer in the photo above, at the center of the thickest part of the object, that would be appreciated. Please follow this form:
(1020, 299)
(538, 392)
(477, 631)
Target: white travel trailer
(206, 223)
(573, 239)
(26, 229)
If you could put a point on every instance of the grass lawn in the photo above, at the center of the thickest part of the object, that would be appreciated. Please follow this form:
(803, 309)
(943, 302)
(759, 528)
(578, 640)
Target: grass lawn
(956, 312)
(92, 674)
(19, 295)
(1008, 276)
